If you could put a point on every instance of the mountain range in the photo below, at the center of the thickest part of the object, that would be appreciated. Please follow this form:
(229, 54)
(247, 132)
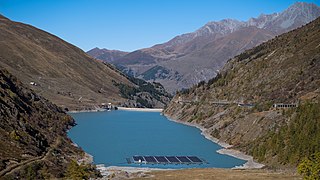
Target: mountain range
(198, 56)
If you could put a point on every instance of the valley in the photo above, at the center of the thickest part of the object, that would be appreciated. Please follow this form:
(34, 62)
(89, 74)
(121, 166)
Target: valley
(242, 96)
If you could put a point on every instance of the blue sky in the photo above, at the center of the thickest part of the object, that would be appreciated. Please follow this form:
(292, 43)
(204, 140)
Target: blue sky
(131, 24)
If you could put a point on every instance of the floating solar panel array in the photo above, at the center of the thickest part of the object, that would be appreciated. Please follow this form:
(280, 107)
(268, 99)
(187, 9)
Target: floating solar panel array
(167, 160)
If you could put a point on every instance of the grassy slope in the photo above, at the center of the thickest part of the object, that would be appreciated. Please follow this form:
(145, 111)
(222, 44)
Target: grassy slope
(63, 72)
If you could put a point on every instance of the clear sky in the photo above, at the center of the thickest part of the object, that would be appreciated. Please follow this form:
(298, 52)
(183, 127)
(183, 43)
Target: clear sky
(131, 24)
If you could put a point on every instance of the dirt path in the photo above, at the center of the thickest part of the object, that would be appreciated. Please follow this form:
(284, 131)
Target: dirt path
(14, 167)
(11, 168)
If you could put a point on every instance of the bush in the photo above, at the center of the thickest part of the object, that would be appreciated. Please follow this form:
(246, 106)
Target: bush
(310, 167)
(213, 80)
(201, 83)
(14, 135)
(216, 134)
(76, 171)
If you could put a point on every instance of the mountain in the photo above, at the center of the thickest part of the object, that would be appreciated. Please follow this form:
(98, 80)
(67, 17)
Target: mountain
(237, 106)
(195, 40)
(64, 74)
(106, 55)
(204, 63)
(296, 15)
(34, 143)
(193, 57)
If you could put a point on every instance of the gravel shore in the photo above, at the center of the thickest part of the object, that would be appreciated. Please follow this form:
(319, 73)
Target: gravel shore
(122, 172)
(250, 164)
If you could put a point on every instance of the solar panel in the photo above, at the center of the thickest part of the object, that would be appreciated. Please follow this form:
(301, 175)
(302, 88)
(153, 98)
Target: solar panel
(137, 158)
(161, 159)
(150, 159)
(172, 159)
(166, 159)
(183, 159)
(195, 159)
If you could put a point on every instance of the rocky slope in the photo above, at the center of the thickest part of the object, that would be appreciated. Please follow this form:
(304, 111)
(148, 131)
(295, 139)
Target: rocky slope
(205, 63)
(59, 71)
(236, 106)
(190, 58)
(34, 143)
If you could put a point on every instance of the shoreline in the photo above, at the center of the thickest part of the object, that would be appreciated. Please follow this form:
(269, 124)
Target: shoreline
(250, 164)
(126, 172)
(141, 109)
(81, 111)
(119, 108)
(89, 110)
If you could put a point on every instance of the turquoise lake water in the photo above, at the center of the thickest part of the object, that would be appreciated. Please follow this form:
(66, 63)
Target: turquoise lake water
(111, 137)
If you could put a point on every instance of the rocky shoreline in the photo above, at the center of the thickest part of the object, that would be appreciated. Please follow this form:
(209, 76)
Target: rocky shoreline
(124, 172)
(250, 164)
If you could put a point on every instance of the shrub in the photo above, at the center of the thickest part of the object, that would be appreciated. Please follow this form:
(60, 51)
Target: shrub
(310, 167)
(76, 171)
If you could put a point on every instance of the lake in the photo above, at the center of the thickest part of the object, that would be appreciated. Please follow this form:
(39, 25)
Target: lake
(112, 136)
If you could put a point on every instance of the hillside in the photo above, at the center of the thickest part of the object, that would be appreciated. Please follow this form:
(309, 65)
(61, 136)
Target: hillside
(236, 106)
(193, 57)
(59, 71)
(34, 143)
(106, 55)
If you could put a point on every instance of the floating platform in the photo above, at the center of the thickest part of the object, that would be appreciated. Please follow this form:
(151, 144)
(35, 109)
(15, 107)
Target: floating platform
(167, 160)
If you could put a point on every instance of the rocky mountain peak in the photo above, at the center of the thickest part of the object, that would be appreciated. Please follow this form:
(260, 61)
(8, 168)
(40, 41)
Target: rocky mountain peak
(309, 11)
(223, 27)
(262, 20)
(302, 5)
(213, 44)
(293, 17)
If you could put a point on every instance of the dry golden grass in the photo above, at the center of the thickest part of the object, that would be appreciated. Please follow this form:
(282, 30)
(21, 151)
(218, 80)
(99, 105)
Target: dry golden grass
(220, 174)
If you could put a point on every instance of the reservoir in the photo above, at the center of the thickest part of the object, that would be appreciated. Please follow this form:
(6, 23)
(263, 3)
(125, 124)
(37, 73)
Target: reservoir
(112, 136)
